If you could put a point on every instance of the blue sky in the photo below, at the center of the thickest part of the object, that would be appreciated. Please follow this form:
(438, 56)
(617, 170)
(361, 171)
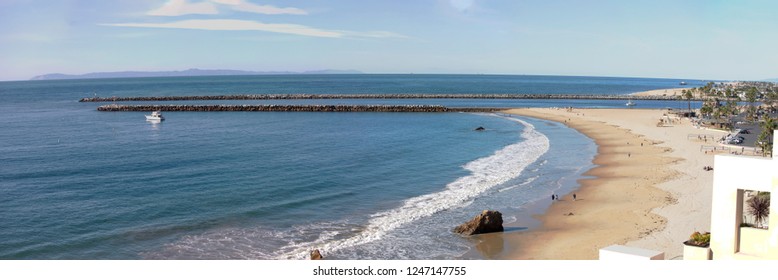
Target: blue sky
(731, 40)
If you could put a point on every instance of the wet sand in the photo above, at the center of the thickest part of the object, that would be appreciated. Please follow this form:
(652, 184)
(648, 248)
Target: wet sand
(648, 195)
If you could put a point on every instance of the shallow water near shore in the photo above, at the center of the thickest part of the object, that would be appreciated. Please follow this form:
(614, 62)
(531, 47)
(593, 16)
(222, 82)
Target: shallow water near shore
(556, 172)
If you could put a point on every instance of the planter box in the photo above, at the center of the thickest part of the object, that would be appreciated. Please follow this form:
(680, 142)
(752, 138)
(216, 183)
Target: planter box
(754, 241)
(691, 252)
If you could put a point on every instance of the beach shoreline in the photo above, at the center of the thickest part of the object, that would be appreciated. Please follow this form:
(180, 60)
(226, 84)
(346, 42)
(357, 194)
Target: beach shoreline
(665, 92)
(636, 196)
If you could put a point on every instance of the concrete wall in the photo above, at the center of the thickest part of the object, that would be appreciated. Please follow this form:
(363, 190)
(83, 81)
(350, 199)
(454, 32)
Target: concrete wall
(625, 253)
(732, 175)
(695, 253)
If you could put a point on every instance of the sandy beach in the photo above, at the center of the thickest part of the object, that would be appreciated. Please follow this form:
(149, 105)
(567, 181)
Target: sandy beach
(648, 189)
(663, 92)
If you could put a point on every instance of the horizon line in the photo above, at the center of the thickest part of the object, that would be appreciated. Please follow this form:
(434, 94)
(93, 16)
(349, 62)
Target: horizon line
(306, 72)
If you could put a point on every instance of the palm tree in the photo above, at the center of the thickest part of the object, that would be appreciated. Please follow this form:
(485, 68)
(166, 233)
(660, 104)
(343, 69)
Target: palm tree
(688, 95)
(751, 98)
(771, 97)
(727, 111)
(765, 139)
(706, 109)
(708, 88)
(732, 107)
(759, 207)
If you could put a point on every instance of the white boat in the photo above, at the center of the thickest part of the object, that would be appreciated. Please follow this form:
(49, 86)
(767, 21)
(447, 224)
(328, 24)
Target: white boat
(682, 83)
(155, 116)
(630, 103)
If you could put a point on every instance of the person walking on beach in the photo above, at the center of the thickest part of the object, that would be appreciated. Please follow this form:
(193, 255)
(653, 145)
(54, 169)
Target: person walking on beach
(553, 197)
(574, 197)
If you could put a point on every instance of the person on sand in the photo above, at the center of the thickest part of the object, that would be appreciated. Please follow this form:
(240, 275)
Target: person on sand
(553, 197)
(574, 197)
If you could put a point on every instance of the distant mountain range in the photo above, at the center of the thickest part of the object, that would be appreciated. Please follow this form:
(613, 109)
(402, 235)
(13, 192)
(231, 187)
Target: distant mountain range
(184, 73)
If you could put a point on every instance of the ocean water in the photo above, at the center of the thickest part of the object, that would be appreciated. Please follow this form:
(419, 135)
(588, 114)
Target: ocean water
(76, 183)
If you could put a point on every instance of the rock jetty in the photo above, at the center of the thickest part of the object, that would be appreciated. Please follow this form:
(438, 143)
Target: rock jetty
(372, 96)
(291, 108)
(316, 255)
(486, 222)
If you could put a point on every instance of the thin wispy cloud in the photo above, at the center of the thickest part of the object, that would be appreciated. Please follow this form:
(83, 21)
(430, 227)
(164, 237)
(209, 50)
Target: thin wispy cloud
(173, 8)
(182, 7)
(244, 6)
(238, 25)
(373, 34)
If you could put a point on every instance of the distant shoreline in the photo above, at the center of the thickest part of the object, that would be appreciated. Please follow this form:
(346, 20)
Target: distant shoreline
(184, 73)
(671, 93)
(194, 72)
(374, 96)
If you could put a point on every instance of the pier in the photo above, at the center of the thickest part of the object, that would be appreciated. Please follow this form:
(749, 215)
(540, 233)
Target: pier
(374, 96)
(291, 108)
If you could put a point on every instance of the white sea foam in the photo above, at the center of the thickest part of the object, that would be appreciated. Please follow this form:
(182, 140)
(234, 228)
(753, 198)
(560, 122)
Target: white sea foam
(248, 243)
(529, 180)
(486, 173)
(526, 182)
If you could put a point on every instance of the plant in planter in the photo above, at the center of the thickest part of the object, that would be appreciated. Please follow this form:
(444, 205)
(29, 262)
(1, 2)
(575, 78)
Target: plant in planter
(759, 207)
(699, 239)
(697, 247)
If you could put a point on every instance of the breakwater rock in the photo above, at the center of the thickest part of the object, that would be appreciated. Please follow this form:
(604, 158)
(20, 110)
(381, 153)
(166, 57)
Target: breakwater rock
(291, 108)
(316, 255)
(486, 222)
(372, 96)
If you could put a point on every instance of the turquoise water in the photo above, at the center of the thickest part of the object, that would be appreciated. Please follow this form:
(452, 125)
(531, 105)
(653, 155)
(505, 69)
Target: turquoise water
(76, 183)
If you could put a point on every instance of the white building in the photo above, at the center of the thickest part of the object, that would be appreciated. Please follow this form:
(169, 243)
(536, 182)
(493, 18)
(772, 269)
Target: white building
(733, 177)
